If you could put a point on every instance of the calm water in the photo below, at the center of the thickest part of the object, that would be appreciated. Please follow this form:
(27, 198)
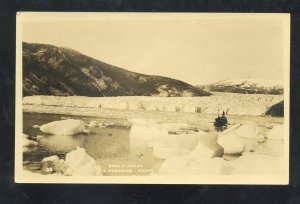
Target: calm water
(109, 146)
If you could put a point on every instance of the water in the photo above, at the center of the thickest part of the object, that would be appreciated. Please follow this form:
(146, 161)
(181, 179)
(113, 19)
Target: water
(109, 146)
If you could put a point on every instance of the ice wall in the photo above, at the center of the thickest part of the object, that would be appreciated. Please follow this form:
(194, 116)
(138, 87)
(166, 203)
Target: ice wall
(239, 104)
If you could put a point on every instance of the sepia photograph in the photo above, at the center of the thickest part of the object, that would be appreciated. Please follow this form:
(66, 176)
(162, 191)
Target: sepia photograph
(162, 98)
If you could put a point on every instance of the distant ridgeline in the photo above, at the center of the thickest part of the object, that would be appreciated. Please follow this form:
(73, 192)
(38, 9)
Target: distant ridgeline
(50, 70)
(245, 86)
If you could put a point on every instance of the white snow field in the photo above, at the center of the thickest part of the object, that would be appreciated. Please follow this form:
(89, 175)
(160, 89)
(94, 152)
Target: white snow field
(233, 104)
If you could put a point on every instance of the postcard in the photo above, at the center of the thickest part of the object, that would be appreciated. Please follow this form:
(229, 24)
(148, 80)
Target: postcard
(152, 98)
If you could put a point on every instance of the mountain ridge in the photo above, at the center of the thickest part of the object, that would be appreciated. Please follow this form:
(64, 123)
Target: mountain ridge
(52, 70)
(245, 86)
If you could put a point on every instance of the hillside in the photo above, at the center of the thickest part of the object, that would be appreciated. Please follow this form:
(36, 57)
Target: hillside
(276, 110)
(245, 86)
(51, 70)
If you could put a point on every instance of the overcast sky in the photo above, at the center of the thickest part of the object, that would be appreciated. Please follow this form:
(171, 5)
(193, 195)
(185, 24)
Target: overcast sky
(195, 48)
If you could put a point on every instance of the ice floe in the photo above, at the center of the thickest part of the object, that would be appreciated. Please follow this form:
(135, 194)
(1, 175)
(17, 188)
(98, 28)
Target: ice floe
(63, 127)
(202, 151)
(231, 142)
(258, 164)
(53, 164)
(164, 152)
(248, 130)
(77, 163)
(276, 133)
(27, 142)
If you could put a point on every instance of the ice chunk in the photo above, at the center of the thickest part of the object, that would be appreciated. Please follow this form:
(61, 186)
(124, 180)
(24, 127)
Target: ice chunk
(173, 165)
(27, 142)
(231, 142)
(51, 159)
(202, 151)
(63, 127)
(146, 129)
(276, 133)
(258, 164)
(53, 164)
(248, 130)
(93, 124)
(273, 145)
(79, 163)
(160, 152)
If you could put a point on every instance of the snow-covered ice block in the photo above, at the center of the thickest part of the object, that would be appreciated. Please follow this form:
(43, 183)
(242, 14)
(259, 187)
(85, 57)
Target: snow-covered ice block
(277, 133)
(161, 152)
(258, 164)
(63, 127)
(248, 130)
(79, 163)
(146, 129)
(231, 142)
(173, 165)
(93, 124)
(53, 164)
(27, 142)
(202, 151)
(186, 141)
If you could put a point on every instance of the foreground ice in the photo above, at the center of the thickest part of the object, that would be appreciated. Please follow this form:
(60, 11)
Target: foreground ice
(200, 166)
(163, 151)
(164, 144)
(27, 144)
(77, 163)
(63, 127)
(231, 142)
(258, 164)
(267, 157)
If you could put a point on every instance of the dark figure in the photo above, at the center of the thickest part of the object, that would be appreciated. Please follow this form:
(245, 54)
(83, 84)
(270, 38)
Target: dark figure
(221, 122)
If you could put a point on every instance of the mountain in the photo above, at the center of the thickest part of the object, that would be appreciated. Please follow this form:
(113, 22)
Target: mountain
(276, 110)
(247, 85)
(51, 70)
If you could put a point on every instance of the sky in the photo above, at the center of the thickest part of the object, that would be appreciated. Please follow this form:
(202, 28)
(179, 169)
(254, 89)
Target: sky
(195, 48)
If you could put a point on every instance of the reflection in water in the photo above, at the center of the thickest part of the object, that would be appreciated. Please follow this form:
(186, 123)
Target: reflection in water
(102, 144)
(61, 144)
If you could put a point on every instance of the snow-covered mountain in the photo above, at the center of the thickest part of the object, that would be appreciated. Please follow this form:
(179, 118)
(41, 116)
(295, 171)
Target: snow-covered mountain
(246, 85)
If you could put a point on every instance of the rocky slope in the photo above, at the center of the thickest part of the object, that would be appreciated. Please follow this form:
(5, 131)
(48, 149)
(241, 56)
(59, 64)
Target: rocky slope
(276, 110)
(51, 70)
